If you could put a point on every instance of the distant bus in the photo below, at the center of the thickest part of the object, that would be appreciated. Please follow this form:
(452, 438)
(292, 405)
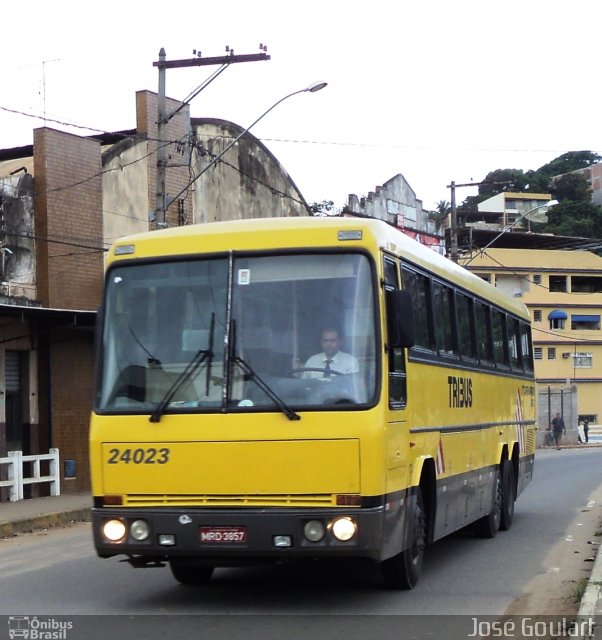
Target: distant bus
(218, 440)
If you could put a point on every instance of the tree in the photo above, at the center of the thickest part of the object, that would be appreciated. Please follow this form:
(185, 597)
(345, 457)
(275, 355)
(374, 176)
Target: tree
(470, 204)
(443, 208)
(537, 182)
(502, 180)
(321, 208)
(570, 161)
(580, 219)
(571, 186)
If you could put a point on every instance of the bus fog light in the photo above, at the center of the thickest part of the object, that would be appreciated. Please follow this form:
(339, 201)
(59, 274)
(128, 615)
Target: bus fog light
(283, 541)
(343, 529)
(113, 530)
(139, 530)
(314, 530)
(167, 539)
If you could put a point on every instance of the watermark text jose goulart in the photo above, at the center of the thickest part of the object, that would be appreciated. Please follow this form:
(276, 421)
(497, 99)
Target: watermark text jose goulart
(528, 627)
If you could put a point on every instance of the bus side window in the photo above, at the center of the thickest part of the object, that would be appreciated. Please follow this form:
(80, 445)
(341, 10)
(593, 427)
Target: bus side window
(483, 327)
(525, 347)
(396, 356)
(419, 287)
(466, 329)
(500, 344)
(444, 318)
(514, 343)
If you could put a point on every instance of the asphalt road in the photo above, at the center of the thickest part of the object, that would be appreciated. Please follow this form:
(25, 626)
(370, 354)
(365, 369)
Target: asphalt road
(56, 573)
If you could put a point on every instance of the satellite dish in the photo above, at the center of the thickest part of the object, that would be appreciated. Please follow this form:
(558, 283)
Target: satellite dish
(537, 216)
(540, 214)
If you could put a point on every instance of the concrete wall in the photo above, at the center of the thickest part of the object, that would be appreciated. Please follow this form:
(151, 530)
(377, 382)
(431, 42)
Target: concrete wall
(248, 182)
(125, 197)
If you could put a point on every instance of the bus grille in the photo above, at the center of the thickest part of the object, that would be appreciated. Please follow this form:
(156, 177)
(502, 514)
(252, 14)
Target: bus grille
(530, 441)
(149, 500)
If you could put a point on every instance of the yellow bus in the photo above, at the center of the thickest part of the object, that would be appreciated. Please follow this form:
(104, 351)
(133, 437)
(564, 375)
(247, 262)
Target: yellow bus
(221, 436)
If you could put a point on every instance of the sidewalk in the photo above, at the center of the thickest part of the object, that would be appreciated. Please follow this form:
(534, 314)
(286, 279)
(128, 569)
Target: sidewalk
(39, 513)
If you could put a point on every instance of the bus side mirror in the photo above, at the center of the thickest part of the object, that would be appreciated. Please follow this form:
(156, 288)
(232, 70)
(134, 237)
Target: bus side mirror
(400, 318)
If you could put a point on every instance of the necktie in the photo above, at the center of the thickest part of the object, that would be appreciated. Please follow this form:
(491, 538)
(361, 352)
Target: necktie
(327, 369)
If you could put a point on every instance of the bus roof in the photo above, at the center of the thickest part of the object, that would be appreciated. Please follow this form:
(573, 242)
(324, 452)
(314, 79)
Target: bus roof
(303, 233)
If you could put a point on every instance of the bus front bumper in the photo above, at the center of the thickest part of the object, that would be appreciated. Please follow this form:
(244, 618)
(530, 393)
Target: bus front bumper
(238, 536)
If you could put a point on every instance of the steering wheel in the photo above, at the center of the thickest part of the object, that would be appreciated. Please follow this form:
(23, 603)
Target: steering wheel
(321, 370)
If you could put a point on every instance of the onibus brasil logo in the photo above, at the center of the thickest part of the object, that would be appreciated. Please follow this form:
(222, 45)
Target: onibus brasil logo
(35, 628)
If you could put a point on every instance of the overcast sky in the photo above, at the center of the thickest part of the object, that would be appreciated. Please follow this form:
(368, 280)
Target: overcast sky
(432, 89)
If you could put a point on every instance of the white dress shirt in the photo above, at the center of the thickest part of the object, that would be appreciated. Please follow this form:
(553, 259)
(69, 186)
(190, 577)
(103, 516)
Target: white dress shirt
(341, 362)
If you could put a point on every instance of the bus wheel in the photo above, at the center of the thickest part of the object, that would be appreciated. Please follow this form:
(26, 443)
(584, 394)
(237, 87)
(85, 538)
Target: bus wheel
(403, 570)
(487, 526)
(508, 497)
(186, 573)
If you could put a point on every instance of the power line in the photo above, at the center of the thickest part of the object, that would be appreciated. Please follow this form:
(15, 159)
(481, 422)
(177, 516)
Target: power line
(46, 119)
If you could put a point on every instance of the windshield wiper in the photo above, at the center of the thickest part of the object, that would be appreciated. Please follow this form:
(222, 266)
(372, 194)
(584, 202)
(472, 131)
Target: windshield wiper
(200, 356)
(278, 401)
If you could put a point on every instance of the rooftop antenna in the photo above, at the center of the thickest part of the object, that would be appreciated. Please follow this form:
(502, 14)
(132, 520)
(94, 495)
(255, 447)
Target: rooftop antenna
(44, 63)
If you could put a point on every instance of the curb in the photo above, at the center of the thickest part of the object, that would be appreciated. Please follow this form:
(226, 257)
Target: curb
(27, 525)
(591, 602)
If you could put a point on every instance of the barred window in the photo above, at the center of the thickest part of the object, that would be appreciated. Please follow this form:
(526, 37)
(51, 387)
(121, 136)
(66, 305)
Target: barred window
(583, 360)
(538, 353)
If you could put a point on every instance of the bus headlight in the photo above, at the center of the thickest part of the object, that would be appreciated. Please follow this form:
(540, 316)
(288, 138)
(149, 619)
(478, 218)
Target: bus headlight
(314, 530)
(139, 530)
(113, 530)
(343, 529)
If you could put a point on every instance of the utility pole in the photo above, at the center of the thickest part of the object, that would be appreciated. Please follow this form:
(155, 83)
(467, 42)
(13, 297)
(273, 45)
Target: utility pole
(454, 255)
(163, 117)
(454, 216)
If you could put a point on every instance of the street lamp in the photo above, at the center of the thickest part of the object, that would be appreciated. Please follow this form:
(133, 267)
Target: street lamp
(312, 88)
(537, 214)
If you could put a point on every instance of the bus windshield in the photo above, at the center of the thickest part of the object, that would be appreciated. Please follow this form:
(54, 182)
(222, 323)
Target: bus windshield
(239, 333)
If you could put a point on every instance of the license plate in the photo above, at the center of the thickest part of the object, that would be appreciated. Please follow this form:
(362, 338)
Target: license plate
(223, 535)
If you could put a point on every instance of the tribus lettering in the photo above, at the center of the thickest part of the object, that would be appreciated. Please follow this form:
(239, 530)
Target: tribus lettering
(460, 392)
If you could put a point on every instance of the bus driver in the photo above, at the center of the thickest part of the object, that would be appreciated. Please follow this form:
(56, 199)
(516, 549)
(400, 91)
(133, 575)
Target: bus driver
(332, 358)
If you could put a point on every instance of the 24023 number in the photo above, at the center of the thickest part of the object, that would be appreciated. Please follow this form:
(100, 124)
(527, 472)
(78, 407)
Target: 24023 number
(139, 456)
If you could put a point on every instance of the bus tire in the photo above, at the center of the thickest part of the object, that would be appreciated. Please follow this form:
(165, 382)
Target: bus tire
(403, 570)
(488, 526)
(188, 574)
(508, 497)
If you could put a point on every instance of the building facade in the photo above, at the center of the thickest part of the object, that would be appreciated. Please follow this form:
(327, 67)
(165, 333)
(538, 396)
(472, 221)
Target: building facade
(395, 202)
(563, 291)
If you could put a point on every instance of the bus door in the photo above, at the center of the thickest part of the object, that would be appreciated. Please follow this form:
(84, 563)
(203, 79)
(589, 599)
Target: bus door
(398, 337)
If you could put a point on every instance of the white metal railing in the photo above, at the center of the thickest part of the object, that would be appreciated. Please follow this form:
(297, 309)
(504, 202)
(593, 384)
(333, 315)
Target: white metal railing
(16, 476)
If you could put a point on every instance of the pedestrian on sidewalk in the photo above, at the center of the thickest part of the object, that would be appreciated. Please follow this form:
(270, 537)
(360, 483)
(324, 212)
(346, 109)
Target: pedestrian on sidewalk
(558, 429)
(586, 429)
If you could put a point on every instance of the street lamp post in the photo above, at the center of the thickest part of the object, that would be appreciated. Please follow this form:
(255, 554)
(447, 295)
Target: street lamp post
(312, 88)
(531, 215)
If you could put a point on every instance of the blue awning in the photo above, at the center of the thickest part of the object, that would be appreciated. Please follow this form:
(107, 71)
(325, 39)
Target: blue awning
(557, 315)
(585, 318)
